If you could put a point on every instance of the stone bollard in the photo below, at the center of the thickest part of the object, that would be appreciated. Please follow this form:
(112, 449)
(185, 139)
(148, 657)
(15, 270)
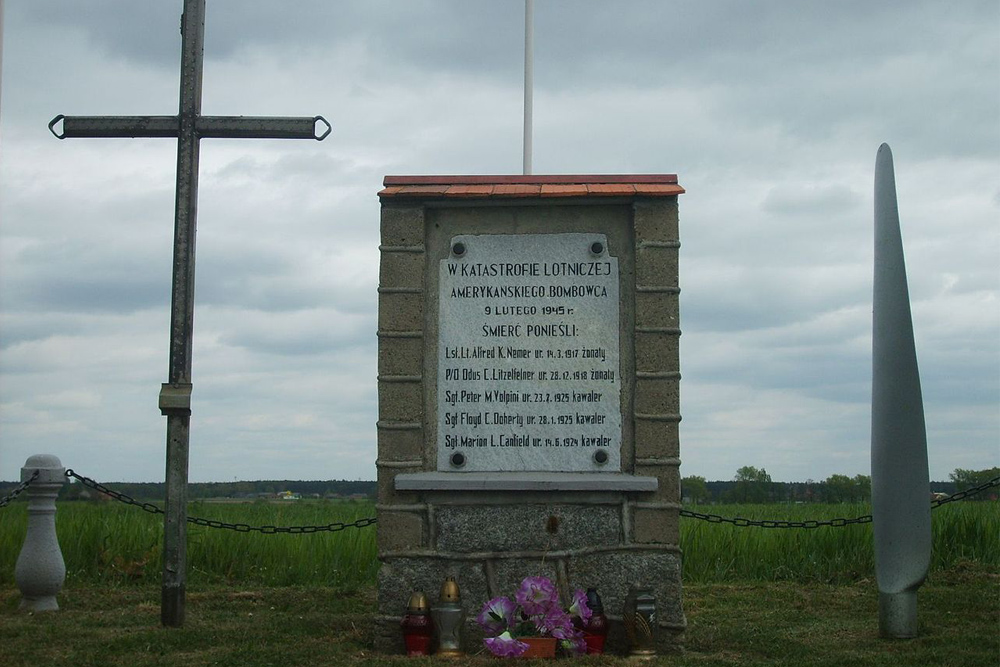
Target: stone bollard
(40, 570)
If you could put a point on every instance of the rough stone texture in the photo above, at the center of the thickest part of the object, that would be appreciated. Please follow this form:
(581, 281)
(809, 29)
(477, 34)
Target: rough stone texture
(656, 440)
(656, 266)
(401, 356)
(400, 401)
(402, 225)
(399, 577)
(670, 482)
(401, 269)
(387, 494)
(655, 220)
(526, 527)
(400, 530)
(656, 351)
(509, 572)
(400, 312)
(657, 309)
(655, 526)
(657, 395)
(396, 445)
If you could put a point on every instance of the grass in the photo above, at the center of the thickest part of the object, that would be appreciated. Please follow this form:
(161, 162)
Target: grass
(752, 596)
(118, 544)
(964, 531)
(729, 624)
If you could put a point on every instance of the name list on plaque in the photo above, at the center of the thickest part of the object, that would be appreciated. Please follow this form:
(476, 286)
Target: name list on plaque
(528, 354)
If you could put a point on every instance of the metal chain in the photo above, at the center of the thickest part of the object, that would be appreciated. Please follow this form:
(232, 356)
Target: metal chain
(362, 523)
(962, 495)
(836, 523)
(768, 523)
(210, 523)
(20, 487)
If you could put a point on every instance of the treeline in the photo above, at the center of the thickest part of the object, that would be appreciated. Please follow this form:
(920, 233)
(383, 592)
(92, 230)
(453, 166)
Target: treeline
(754, 485)
(246, 490)
(749, 485)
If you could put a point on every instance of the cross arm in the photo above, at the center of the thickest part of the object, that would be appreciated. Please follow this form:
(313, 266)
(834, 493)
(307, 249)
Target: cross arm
(207, 127)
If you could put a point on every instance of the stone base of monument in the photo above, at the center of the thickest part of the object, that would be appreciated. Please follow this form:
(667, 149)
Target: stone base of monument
(489, 547)
(529, 393)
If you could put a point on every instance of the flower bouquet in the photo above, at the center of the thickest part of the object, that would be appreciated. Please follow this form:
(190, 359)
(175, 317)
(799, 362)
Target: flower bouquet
(536, 613)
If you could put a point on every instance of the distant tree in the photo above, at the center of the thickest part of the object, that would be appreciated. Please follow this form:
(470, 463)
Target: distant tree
(863, 485)
(968, 479)
(838, 489)
(753, 485)
(695, 489)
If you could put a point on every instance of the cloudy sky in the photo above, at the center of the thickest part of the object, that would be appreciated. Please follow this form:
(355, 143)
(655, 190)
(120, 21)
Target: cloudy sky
(770, 113)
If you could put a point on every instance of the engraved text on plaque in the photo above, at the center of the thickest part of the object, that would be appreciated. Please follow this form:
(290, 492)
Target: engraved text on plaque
(528, 354)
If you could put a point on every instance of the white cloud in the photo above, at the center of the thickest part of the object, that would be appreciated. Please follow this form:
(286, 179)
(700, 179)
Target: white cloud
(770, 115)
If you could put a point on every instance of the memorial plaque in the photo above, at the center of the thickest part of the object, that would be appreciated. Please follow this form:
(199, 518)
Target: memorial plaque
(510, 308)
(528, 354)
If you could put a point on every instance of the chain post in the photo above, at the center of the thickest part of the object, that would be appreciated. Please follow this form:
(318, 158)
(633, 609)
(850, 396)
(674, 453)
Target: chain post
(40, 570)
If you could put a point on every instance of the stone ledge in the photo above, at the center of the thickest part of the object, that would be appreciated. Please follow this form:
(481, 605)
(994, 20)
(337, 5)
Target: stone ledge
(523, 481)
(479, 556)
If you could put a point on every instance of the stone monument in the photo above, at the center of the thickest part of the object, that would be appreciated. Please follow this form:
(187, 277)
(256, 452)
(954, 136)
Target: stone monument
(529, 392)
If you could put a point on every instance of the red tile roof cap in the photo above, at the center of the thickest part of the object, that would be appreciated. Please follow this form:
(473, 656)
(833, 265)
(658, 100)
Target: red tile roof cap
(519, 186)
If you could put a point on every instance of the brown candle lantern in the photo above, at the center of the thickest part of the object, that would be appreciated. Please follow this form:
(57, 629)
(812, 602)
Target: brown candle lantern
(417, 626)
(640, 623)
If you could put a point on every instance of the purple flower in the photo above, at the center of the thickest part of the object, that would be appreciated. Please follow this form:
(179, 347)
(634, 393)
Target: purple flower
(579, 606)
(497, 615)
(505, 646)
(536, 595)
(555, 622)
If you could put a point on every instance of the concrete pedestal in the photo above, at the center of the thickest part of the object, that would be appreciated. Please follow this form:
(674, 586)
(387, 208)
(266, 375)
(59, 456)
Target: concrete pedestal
(40, 570)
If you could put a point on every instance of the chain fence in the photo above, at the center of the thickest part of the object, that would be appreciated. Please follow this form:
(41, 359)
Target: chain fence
(210, 523)
(962, 495)
(17, 491)
(363, 523)
(835, 523)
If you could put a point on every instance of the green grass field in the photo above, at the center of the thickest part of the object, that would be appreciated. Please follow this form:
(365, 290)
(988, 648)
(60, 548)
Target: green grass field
(115, 543)
(120, 544)
(781, 623)
(962, 532)
(752, 596)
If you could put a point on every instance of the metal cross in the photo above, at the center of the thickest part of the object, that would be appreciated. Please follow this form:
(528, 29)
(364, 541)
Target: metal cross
(189, 127)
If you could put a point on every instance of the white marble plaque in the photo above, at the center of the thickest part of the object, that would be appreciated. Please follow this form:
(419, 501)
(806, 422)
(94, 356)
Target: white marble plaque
(528, 339)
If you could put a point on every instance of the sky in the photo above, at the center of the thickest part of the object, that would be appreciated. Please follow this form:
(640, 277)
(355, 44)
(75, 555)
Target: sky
(770, 114)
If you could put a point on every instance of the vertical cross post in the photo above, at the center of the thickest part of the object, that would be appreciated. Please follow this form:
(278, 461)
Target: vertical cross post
(189, 127)
(182, 317)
